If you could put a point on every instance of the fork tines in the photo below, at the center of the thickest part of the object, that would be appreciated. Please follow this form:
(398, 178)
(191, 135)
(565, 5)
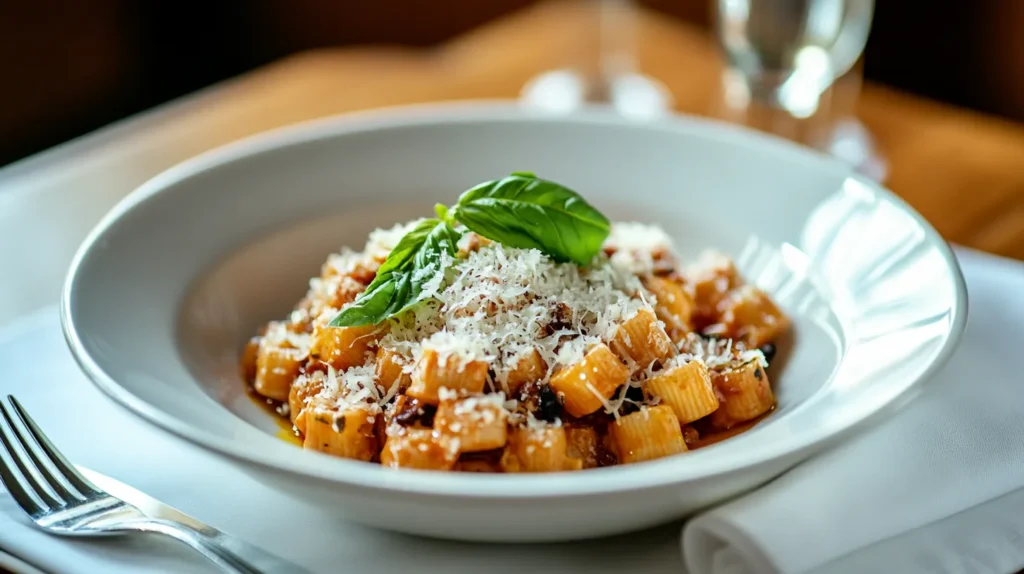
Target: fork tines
(36, 474)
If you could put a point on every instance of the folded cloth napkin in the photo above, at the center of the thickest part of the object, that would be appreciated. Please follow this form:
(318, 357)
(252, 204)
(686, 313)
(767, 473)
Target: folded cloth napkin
(938, 488)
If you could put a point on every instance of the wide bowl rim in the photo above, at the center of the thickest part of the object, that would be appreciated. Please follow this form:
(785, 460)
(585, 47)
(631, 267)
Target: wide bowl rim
(653, 474)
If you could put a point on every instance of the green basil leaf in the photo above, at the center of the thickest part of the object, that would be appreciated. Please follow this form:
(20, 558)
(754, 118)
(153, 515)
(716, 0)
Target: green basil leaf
(399, 282)
(525, 211)
(442, 213)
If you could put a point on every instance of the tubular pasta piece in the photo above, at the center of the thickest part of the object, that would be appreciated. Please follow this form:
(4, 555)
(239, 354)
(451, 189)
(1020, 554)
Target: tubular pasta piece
(582, 443)
(686, 389)
(301, 394)
(751, 316)
(276, 367)
(349, 434)
(418, 448)
(710, 286)
(538, 450)
(250, 355)
(477, 424)
(641, 341)
(599, 372)
(530, 368)
(390, 367)
(674, 306)
(342, 347)
(431, 374)
(647, 434)
(746, 394)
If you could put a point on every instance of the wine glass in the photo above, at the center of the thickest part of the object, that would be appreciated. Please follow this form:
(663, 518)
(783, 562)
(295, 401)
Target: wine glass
(784, 59)
(603, 70)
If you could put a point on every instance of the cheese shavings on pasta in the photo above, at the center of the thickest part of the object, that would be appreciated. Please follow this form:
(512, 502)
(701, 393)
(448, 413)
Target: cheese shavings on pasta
(635, 246)
(500, 303)
(513, 362)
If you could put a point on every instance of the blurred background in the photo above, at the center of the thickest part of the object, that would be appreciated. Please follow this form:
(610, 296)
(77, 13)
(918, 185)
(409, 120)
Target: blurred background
(71, 67)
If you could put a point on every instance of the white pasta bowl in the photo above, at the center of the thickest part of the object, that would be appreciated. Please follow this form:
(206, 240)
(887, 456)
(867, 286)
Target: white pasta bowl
(167, 288)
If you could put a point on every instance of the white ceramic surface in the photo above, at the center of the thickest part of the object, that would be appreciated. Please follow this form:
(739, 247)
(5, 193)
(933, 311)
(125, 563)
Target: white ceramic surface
(165, 290)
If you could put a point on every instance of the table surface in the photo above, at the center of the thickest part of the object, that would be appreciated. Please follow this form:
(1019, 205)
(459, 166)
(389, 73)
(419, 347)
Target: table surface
(962, 170)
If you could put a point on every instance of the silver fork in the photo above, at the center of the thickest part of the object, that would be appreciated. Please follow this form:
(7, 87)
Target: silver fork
(61, 501)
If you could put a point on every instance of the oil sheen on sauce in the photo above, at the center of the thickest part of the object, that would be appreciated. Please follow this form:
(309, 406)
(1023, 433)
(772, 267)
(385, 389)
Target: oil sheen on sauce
(286, 431)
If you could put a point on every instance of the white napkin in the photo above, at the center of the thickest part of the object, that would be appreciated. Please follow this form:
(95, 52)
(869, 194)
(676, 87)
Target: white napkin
(938, 488)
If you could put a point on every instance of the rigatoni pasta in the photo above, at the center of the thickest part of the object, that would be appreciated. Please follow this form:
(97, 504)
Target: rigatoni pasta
(475, 423)
(584, 444)
(674, 305)
(538, 449)
(511, 361)
(436, 370)
(341, 347)
(393, 369)
(303, 390)
(348, 434)
(278, 363)
(586, 386)
(418, 448)
(650, 433)
(685, 388)
(641, 341)
(527, 368)
(752, 316)
(746, 394)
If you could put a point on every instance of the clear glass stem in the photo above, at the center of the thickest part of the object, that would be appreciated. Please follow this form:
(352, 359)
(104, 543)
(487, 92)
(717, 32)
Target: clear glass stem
(616, 39)
(605, 70)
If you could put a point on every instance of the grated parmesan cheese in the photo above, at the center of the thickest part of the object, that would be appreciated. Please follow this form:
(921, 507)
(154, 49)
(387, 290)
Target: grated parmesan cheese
(707, 265)
(279, 335)
(455, 345)
(634, 246)
(343, 262)
(380, 242)
(480, 403)
(499, 304)
(717, 353)
(353, 388)
(537, 425)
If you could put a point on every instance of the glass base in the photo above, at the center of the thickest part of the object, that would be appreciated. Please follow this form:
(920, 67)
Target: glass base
(823, 120)
(797, 92)
(851, 142)
(631, 95)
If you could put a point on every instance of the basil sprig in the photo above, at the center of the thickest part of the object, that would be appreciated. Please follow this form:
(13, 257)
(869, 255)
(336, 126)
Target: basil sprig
(400, 280)
(520, 210)
(524, 211)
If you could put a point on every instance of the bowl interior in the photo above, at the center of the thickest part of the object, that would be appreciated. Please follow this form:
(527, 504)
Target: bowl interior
(166, 290)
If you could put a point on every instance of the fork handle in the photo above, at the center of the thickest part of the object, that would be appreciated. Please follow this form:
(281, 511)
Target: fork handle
(249, 554)
(231, 554)
(199, 542)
